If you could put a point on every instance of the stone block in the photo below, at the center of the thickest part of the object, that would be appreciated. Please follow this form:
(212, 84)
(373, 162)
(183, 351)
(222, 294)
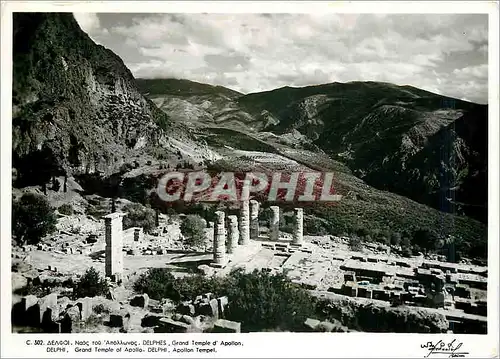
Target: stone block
(49, 302)
(64, 303)
(26, 311)
(214, 305)
(177, 317)
(187, 319)
(111, 294)
(311, 324)
(18, 281)
(85, 306)
(151, 320)
(222, 305)
(226, 326)
(325, 327)
(168, 325)
(208, 296)
(71, 320)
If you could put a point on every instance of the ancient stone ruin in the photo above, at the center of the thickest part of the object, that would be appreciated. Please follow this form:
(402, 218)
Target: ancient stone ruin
(254, 219)
(233, 234)
(114, 246)
(298, 227)
(220, 240)
(274, 224)
(245, 223)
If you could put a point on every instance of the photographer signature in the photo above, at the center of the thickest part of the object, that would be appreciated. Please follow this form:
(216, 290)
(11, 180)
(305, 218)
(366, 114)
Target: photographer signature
(440, 348)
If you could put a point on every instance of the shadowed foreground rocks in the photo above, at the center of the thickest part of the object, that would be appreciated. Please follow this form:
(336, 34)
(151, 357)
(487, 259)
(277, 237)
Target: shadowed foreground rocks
(53, 314)
(373, 317)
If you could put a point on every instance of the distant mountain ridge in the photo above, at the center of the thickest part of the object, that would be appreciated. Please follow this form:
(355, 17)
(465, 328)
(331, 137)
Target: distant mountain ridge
(182, 87)
(398, 138)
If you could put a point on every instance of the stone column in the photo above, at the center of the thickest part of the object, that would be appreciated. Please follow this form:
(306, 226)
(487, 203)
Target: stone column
(137, 234)
(254, 219)
(298, 225)
(244, 223)
(114, 246)
(274, 223)
(233, 233)
(210, 234)
(220, 239)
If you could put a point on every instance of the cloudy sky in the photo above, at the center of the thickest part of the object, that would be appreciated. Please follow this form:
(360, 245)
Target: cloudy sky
(446, 54)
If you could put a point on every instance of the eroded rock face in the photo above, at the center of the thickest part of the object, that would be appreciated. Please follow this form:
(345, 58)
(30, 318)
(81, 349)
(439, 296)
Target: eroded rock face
(76, 104)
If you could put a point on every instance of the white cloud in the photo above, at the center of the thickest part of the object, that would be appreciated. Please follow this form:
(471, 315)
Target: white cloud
(89, 22)
(256, 52)
(478, 72)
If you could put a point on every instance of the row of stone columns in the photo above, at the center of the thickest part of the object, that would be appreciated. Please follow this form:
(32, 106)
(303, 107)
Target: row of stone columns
(248, 228)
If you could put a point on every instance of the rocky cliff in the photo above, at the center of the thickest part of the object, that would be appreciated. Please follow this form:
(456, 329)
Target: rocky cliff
(76, 107)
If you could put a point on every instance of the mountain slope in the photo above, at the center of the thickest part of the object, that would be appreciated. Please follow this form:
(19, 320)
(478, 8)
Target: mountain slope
(396, 138)
(428, 147)
(199, 104)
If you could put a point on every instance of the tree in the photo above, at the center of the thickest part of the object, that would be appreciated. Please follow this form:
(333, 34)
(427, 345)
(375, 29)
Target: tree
(193, 228)
(425, 238)
(406, 242)
(32, 218)
(449, 249)
(406, 252)
(355, 244)
(91, 284)
(406, 246)
(139, 216)
(261, 300)
(395, 238)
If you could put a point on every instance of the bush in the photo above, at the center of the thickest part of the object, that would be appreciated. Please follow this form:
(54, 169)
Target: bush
(193, 228)
(159, 283)
(139, 216)
(406, 252)
(355, 244)
(91, 284)
(425, 238)
(261, 300)
(66, 209)
(314, 226)
(32, 218)
(395, 238)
